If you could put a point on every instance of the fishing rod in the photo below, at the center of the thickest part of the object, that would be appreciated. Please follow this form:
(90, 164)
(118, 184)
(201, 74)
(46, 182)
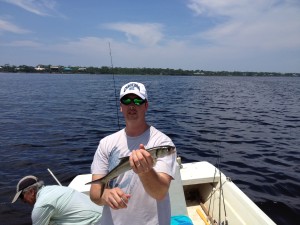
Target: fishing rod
(221, 195)
(116, 98)
(54, 177)
(220, 189)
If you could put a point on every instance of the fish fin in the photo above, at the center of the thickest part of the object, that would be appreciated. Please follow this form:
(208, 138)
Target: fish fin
(154, 161)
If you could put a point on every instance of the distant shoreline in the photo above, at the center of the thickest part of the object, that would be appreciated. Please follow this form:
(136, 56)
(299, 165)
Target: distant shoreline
(104, 70)
(261, 74)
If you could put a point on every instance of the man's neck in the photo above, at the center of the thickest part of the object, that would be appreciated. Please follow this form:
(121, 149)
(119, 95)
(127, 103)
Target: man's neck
(134, 130)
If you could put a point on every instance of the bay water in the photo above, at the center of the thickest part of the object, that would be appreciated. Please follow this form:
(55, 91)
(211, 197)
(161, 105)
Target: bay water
(250, 124)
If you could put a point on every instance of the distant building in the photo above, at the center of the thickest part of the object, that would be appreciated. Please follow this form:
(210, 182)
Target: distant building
(39, 68)
(54, 69)
(199, 73)
(67, 69)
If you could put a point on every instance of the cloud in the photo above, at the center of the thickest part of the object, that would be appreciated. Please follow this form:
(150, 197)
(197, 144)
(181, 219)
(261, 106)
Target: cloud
(268, 24)
(39, 7)
(230, 8)
(9, 27)
(24, 43)
(143, 33)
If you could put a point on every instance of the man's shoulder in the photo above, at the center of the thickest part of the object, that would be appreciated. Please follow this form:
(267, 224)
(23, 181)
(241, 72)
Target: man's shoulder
(160, 137)
(155, 131)
(55, 190)
(113, 135)
(111, 142)
(50, 193)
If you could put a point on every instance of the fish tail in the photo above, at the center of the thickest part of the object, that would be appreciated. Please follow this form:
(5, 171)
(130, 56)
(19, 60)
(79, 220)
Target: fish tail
(98, 181)
(103, 186)
(101, 182)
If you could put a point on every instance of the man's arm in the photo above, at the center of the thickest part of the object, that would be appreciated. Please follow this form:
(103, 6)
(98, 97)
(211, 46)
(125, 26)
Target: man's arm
(42, 215)
(96, 190)
(155, 184)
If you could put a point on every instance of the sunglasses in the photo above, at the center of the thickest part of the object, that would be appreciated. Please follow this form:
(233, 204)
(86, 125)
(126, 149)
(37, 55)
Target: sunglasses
(136, 101)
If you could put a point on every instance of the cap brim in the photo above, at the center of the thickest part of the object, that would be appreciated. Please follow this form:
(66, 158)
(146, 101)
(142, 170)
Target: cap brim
(133, 92)
(17, 196)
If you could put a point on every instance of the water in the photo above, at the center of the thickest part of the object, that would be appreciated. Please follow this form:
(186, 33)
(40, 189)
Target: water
(252, 123)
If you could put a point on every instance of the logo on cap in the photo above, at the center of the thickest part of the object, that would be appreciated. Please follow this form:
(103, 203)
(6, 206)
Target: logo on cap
(132, 86)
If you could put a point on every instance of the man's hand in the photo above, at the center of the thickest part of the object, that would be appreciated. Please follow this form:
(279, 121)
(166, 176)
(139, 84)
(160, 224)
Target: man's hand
(155, 184)
(115, 198)
(141, 161)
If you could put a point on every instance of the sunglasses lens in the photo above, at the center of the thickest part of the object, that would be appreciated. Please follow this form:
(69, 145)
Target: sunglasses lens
(138, 101)
(126, 101)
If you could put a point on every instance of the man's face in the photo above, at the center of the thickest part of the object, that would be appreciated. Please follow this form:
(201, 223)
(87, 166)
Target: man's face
(133, 111)
(28, 197)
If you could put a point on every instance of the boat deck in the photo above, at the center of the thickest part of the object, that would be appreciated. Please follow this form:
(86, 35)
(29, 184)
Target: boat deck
(195, 217)
(184, 194)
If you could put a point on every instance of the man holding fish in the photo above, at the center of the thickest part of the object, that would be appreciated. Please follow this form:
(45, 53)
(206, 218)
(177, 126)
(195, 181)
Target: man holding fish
(132, 168)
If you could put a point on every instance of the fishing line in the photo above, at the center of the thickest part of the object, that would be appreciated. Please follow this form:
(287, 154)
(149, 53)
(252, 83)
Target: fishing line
(220, 186)
(116, 99)
(221, 197)
(214, 191)
(215, 173)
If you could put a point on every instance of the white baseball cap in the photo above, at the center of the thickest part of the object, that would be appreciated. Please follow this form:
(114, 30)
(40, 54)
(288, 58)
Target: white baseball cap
(134, 88)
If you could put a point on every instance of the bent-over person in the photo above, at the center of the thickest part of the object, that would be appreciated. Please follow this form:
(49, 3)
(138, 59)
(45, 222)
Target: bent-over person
(55, 204)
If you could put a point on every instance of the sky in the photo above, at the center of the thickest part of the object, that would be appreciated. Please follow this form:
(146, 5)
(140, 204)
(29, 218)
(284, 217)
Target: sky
(214, 35)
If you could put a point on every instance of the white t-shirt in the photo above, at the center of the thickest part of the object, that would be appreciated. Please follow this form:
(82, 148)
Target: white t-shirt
(141, 208)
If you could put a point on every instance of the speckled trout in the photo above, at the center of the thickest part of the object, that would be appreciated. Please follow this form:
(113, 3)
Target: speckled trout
(124, 165)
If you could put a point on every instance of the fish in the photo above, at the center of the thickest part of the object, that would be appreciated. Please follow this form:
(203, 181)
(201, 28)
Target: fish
(124, 165)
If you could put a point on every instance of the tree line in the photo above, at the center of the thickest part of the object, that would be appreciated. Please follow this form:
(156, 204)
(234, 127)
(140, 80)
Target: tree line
(131, 71)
